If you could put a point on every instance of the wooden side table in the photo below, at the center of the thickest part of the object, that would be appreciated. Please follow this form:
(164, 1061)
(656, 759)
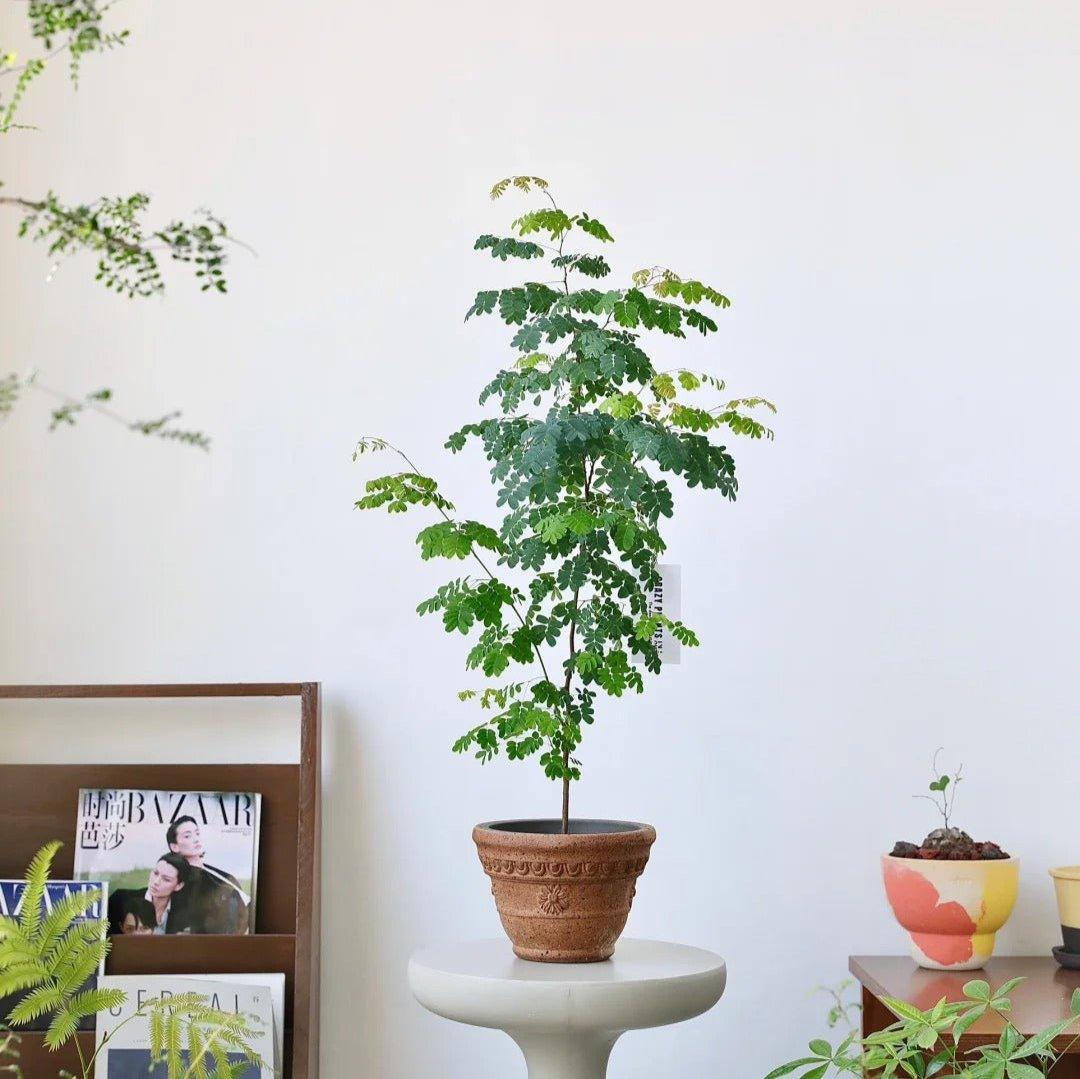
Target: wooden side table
(1043, 999)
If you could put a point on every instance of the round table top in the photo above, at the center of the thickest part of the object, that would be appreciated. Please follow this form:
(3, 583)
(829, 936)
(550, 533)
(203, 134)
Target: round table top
(633, 961)
(645, 983)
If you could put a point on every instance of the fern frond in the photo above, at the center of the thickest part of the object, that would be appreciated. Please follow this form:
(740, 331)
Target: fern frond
(188, 1003)
(63, 914)
(9, 927)
(65, 954)
(84, 965)
(62, 1026)
(173, 1043)
(24, 976)
(37, 876)
(70, 946)
(15, 948)
(196, 1052)
(91, 1001)
(222, 1065)
(36, 1004)
(157, 1033)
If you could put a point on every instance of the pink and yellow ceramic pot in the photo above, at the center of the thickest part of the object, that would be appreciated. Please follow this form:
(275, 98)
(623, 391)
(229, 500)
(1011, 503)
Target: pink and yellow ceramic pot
(951, 910)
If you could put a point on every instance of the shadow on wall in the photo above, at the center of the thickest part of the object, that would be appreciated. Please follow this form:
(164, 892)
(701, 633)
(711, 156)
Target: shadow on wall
(350, 850)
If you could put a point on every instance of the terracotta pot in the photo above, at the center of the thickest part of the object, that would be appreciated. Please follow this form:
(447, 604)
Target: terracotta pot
(1067, 889)
(951, 910)
(563, 898)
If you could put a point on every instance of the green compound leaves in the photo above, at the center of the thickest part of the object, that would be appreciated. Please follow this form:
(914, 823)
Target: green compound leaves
(586, 439)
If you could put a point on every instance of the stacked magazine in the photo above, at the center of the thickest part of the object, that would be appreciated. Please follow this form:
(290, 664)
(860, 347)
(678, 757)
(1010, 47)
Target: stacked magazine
(174, 861)
(123, 1034)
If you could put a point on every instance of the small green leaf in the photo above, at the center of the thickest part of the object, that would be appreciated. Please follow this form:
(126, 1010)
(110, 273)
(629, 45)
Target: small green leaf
(1023, 1071)
(791, 1066)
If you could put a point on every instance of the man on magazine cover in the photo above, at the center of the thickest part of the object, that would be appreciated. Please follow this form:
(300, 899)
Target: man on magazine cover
(213, 901)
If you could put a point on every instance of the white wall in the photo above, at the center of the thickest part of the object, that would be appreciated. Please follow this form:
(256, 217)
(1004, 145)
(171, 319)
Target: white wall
(887, 191)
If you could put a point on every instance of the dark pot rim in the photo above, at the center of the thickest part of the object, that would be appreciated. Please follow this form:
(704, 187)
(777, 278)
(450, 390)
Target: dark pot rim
(547, 835)
(552, 826)
(1013, 858)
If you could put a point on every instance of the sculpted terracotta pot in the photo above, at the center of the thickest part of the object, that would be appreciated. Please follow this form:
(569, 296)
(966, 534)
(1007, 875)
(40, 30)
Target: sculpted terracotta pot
(563, 898)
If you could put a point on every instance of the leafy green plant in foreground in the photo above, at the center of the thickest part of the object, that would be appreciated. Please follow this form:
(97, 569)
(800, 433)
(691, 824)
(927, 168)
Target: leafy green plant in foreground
(50, 959)
(588, 432)
(923, 1044)
(843, 1011)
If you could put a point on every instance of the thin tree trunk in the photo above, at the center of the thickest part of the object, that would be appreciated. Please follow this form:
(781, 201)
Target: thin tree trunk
(566, 796)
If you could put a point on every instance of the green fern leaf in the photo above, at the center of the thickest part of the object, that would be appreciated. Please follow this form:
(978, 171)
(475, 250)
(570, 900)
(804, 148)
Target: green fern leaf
(27, 975)
(173, 1042)
(196, 1052)
(222, 1066)
(157, 1033)
(91, 1001)
(63, 914)
(35, 1004)
(37, 876)
(61, 1028)
(83, 966)
(65, 954)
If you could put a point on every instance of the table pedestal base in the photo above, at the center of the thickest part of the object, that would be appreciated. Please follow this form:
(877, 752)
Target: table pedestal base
(569, 1055)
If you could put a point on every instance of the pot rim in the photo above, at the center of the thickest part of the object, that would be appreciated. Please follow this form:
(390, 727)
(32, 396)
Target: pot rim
(621, 827)
(1011, 860)
(1066, 872)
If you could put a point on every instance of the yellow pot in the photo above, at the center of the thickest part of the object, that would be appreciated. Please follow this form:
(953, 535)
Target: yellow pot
(1067, 887)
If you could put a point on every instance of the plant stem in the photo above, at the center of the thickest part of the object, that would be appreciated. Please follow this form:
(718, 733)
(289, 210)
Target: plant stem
(587, 471)
(566, 731)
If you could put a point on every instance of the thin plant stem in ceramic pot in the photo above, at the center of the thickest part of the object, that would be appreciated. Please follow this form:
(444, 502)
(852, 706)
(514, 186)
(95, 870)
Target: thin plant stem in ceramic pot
(951, 893)
(556, 596)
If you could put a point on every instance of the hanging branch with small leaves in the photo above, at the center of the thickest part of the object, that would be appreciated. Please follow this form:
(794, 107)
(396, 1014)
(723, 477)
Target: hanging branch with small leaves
(129, 253)
(581, 479)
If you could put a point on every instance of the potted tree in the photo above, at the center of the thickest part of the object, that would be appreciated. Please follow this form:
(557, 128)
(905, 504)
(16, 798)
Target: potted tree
(558, 601)
(951, 893)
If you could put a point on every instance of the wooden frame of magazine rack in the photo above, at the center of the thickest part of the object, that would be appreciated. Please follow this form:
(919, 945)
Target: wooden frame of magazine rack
(38, 802)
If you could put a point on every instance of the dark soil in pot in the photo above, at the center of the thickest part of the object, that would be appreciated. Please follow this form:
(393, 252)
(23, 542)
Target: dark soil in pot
(949, 845)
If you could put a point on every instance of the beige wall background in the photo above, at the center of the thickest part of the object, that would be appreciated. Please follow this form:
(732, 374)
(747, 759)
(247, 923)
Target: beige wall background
(887, 192)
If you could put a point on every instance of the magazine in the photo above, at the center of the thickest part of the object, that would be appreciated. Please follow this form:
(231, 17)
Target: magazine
(123, 1035)
(175, 861)
(276, 984)
(11, 905)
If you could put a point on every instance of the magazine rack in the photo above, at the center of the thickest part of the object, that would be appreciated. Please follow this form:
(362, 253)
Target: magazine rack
(37, 804)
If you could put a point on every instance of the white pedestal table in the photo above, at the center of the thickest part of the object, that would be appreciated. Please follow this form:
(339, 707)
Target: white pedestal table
(566, 1017)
